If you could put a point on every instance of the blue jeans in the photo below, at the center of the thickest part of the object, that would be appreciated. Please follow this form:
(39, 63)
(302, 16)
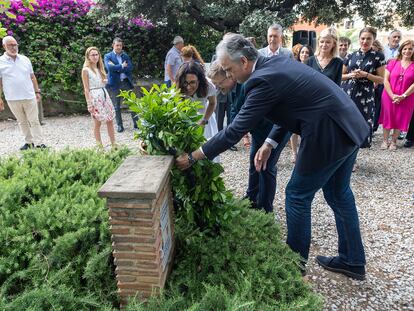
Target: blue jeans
(335, 183)
(116, 101)
(262, 185)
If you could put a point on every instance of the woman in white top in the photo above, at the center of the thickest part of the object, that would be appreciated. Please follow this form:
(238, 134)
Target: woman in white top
(97, 97)
(192, 82)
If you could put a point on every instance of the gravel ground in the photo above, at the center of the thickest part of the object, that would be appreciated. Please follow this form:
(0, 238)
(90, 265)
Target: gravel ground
(383, 186)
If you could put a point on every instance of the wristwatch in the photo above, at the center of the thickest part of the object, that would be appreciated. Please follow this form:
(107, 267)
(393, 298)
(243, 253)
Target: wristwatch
(191, 160)
(38, 91)
(205, 121)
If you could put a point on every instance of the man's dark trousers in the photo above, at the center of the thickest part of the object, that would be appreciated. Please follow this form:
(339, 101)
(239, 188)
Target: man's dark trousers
(116, 101)
(262, 185)
(335, 183)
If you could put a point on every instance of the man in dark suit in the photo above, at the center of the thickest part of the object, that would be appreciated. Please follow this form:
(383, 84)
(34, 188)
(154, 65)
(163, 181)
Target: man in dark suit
(303, 101)
(261, 185)
(119, 68)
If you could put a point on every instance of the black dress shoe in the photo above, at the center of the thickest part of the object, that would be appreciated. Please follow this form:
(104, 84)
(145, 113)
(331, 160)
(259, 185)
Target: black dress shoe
(41, 146)
(27, 146)
(409, 143)
(335, 264)
(233, 148)
(120, 129)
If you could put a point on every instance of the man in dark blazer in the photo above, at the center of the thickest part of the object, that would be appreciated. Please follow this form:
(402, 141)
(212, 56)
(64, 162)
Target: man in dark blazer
(300, 100)
(119, 68)
(261, 187)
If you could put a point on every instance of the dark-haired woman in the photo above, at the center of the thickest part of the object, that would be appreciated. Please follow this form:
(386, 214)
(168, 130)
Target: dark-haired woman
(304, 53)
(192, 82)
(361, 70)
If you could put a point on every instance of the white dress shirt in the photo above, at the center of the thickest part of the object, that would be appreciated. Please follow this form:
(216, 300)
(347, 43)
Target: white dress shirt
(16, 77)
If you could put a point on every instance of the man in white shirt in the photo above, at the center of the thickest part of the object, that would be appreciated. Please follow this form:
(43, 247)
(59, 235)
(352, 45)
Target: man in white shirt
(391, 49)
(274, 39)
(21, 91)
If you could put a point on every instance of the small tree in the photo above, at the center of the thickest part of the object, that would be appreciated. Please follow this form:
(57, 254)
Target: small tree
(168, 125)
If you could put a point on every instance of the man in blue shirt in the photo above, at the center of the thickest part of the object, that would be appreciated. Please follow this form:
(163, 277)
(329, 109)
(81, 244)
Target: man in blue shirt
(119, 67)
(173, 61)
(391, 49)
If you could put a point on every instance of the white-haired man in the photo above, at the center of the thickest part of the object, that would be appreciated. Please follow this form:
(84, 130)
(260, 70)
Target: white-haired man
(173, 61)
(278, 88)
(274, 41)
(391, 49)
(21, 90)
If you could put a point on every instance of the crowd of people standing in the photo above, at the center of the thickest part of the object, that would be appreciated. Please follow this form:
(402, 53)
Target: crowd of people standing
(331, 100)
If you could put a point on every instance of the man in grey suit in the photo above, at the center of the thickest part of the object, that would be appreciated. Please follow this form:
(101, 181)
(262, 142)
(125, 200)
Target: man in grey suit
(274, 41)
(301, 100)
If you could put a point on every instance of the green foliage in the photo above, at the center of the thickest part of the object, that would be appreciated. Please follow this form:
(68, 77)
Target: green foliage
(54, 231)
(246, 267)
(56, 248)
(168, 125)
(253, 17)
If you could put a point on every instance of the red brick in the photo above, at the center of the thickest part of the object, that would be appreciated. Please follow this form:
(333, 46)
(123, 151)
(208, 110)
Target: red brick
(125, 263)
(120, 230)
(122, 255)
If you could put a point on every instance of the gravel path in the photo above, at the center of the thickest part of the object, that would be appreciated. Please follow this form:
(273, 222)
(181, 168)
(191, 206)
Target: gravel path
(383, 187)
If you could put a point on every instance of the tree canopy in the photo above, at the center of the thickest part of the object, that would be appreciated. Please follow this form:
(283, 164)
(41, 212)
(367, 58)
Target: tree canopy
(250, 16)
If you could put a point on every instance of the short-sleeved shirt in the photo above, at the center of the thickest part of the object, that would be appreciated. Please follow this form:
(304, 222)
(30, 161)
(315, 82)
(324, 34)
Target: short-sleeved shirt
(16, 77)
(390, 53)
(173, 59)
(333, 70)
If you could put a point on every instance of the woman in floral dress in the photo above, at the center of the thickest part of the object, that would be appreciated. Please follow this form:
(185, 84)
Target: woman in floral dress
(361, 70)
(97, 97)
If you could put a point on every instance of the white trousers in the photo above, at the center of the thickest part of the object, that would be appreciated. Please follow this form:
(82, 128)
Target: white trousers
(27, 115)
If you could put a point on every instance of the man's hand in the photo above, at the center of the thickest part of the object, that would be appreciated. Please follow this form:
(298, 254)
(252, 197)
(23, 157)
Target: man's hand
(38, 97)
(124, 64)
(182, 162)
(261, 157)
(1, 105)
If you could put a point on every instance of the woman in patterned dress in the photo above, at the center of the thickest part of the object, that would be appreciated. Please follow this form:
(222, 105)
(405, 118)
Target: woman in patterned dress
(361, 70)
(97, 97)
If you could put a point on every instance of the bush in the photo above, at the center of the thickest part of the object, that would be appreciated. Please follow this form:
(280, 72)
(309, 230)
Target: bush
(56, 249)
(54, 231)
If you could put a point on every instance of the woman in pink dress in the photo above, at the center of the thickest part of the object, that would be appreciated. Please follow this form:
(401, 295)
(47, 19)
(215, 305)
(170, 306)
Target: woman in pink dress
(397, 98)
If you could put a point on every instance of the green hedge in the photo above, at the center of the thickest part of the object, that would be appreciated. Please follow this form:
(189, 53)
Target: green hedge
(56, 250)
(57, 47)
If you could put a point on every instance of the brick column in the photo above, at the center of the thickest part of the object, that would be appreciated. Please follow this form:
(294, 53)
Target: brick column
(141, 220)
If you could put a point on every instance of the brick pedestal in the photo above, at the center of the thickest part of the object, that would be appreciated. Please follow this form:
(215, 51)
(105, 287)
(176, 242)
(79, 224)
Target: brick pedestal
(142, 225)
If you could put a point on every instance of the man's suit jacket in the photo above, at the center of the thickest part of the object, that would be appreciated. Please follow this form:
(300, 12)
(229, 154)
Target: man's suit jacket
(282, 52)
(300, 100)
(115, 69)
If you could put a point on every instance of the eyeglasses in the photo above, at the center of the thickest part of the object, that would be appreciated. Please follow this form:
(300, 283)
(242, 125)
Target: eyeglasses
(12, 45)
(191, 83)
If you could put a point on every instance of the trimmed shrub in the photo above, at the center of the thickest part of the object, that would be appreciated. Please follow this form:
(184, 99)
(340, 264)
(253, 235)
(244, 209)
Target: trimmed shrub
(56, 250)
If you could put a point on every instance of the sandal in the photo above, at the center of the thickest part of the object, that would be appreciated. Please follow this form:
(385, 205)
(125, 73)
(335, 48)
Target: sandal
(393, 146)
(384, 145)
